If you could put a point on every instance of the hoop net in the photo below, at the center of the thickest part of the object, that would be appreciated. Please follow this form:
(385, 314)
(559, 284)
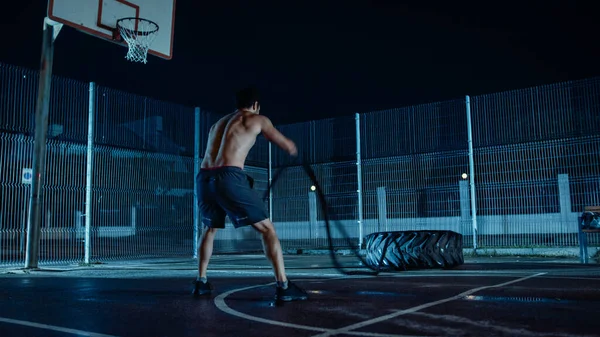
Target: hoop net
(139, 34)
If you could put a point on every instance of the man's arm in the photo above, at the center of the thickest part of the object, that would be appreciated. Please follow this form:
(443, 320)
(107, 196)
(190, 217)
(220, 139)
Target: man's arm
(273, 135)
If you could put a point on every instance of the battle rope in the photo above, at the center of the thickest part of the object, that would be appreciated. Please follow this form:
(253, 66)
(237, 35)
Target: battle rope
(325, 211)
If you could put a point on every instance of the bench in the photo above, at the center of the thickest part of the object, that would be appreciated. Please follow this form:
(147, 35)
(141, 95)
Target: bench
(583, 252)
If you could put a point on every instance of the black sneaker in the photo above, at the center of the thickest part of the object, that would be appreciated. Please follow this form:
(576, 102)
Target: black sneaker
(292, 293)
(202, 288)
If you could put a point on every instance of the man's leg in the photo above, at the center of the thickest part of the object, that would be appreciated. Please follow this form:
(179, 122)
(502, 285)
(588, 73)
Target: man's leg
(245, 207)
(272, 248)
(285, 290)
(202, 286)
(206, 250)
(213, 218)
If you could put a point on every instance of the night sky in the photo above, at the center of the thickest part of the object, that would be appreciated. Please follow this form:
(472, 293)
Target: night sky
(319, 59)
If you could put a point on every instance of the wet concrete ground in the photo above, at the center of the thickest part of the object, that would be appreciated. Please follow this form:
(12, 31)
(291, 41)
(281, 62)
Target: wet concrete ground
(483, 297)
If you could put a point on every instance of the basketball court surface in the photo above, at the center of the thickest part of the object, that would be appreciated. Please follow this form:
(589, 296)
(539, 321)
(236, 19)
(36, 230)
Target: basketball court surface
(483, 297)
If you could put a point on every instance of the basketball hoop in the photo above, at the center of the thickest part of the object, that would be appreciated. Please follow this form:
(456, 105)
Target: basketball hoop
(139, 34)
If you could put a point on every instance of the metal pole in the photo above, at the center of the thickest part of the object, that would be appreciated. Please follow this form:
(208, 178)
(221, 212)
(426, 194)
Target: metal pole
(39, 147)
(382, 208)
(359, 181)
(270, 190)
(24, 219)
(472, 173)
(89, 172)
(196, 171)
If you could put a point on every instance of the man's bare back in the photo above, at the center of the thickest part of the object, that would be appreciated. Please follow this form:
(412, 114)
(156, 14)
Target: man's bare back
(231, 138)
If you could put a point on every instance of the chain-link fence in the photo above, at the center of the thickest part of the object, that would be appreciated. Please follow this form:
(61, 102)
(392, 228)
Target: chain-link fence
(511, 169)
(144, 155)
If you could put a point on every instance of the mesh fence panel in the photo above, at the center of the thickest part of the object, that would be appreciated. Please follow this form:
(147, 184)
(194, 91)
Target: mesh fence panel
(323, 141)
(18, 95)
(412, 162)
(136, 122)
(298, 215)
(15, 154)
(62, 194)
(537, 163)
(62, 191)
(556, 111)
(519, 193)
(67, 119)
(326, 145)
(536, 157)
(62, 233)
(424, 128)
(142, 204)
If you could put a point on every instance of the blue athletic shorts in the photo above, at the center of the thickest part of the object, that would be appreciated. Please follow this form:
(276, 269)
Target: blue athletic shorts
(228, 190)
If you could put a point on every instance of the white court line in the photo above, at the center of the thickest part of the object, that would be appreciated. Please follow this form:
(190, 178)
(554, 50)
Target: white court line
(506, 331)
(573, 278)
(347, 329)
(221, 305)
(53, 327)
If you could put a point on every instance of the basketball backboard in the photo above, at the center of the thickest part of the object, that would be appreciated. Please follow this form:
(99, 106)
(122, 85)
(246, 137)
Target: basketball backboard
(99, 18)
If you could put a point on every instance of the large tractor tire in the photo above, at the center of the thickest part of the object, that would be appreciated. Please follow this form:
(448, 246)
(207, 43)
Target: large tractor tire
(406, 250)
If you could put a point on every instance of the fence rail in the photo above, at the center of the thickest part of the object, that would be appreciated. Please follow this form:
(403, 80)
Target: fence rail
(535, 154)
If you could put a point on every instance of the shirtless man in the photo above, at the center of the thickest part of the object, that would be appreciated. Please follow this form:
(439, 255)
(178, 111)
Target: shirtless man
(224, 189)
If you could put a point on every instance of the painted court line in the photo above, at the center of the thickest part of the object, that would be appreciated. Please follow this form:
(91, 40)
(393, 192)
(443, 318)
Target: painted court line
(573, 278)
(506, 331)
(53, 327)
(220, 303)
(347, 329)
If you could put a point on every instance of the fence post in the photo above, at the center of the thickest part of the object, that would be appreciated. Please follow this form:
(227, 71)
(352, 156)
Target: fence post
(89, 172)
(564, 196)
(472, 173)
(133, 219)
(49, 221)
(196, 171)
(359, 182)
(24, 222)
(382, 209)
(465, 207)
(78, 227)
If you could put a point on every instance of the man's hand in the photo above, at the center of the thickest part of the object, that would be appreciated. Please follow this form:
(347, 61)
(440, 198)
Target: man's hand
(293, 151)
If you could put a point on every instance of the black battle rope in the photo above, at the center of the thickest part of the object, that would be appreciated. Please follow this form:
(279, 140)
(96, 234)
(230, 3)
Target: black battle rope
(324, 208)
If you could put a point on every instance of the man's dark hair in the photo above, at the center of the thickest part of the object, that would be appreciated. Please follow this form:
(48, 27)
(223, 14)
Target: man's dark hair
(246, 97)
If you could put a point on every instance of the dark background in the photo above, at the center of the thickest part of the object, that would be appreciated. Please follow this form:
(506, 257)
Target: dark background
(318, 59)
